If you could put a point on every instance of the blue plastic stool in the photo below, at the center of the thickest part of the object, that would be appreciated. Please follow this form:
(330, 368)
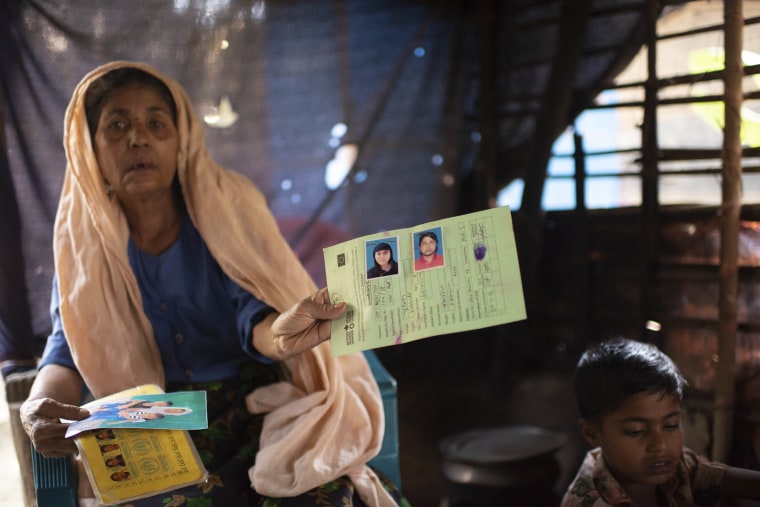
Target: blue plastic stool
(387, 461)
(55, 481)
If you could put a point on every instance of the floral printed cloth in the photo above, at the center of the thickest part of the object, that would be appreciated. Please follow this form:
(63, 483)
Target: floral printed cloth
(696, 482)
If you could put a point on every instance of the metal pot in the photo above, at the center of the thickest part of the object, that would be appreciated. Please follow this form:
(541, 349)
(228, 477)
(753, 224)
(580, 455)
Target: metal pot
(491, 465)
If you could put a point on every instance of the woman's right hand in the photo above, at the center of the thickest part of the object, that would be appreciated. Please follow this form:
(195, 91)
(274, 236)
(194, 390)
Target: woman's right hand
(41, 419)
(304, 326)
(55, 395)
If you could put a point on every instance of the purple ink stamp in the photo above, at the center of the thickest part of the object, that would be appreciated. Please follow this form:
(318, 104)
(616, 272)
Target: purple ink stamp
(480, 251)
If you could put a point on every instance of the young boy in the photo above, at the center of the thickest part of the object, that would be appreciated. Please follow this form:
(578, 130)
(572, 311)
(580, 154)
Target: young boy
(629, 398)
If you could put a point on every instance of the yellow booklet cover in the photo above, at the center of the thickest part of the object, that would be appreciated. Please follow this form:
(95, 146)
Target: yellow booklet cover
(125, 464)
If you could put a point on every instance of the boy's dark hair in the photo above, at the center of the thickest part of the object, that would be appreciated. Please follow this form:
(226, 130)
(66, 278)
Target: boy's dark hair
(612, 371)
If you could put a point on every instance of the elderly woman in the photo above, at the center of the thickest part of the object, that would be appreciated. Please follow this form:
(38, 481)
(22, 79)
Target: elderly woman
(170, 270)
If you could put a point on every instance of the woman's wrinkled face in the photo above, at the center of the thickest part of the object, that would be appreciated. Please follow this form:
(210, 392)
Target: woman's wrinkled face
(136, 142)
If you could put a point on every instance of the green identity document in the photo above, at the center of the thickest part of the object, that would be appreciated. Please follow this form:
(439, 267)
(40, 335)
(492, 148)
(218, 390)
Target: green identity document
(447, 276)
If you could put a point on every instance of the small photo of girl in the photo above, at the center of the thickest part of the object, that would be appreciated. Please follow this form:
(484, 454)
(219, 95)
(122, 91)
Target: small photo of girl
(381, 257)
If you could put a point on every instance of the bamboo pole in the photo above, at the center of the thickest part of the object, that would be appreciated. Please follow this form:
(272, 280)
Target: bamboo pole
(550, 121)
(650, 209)
(581, 246)
(729, 231)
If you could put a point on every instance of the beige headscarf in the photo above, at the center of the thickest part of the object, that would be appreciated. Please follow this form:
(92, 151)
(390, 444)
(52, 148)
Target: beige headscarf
(326, 422)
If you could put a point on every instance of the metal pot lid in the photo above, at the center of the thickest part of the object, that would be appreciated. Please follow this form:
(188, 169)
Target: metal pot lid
(501, 445)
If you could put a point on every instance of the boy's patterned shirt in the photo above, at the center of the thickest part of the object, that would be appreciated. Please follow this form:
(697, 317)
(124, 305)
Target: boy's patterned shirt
(696, 482)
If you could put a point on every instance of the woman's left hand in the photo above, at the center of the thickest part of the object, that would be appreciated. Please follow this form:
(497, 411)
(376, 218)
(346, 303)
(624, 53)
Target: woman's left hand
(305, 325)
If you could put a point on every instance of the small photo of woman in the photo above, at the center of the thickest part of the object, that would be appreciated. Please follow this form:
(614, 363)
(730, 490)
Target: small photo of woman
(381, 257)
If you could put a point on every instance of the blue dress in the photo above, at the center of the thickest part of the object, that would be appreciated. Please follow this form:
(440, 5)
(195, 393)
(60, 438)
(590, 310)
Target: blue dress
(202, 320)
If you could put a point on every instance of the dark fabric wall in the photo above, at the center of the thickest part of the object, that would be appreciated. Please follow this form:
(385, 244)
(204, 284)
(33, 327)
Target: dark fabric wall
(292, 69)
(15, 318)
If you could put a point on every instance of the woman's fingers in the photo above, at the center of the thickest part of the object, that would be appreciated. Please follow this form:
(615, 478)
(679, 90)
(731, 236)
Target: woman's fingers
(41, 419)
(307, 324)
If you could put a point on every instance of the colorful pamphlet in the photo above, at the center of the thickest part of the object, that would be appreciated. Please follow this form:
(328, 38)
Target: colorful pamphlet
(447, 276)
(128, 463)
(138, 408)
